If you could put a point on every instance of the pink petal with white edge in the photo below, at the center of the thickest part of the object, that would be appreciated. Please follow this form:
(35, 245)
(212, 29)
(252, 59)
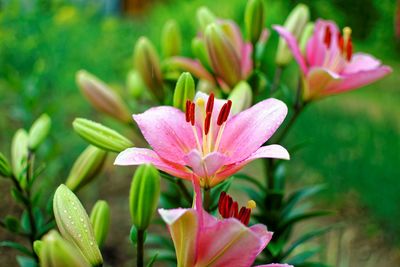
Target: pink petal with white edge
(293, 45)
(167, 132)
(361, 62)
(271, 151)
(245, 132)
(207, 166)
(359, 79)
(230, 243)
(318, 80)
(138, 156)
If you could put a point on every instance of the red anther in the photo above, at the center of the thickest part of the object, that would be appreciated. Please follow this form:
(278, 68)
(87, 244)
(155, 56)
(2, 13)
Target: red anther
(349, 49)
(228, 109)
(221, 115)
(340, 42)
(221, 203)
(210, 103)
(192, 111)
(328, 37)
(207, 123)
(187, 113)
(229, 209)
(234, 210)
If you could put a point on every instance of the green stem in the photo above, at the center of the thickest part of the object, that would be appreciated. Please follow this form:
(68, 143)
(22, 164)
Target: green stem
(184, 190)
(207, 199)
(140, 248)
(29, 208)
(277, 79)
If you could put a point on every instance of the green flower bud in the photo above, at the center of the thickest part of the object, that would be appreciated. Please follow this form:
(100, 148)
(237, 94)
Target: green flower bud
(205, 17)
(241, 97)
(102, 97)
(37, 246)
(74, 224)
(144, 195)
(5, 168)
(184, 90)
(19, 154)
(39, 131)
(308, 32)
(54, 251)
(224, 59)
(86, 167)
(100, 135)
(135, 84)
(254, 19)
(147, 63)
(100, 219)
(200, 52)
(295, 23)
(171, 39)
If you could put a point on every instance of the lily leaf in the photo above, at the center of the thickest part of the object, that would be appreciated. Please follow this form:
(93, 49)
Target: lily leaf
(17, 246)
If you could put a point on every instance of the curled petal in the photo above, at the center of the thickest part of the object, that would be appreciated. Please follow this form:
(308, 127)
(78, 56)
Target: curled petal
(138, 156)
(361, 62)
(167, 132)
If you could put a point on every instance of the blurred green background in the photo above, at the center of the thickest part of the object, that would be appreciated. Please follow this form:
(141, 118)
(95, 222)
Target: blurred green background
(352, 139)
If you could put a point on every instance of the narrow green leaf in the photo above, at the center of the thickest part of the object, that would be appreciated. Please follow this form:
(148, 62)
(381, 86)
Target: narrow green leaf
(300, 217)
(250, 179)
(152, 260)
(26, 262)
(17, 246)
(303, 256)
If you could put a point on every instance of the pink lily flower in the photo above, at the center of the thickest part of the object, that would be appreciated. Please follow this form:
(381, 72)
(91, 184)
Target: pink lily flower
(203, 240)
(328, 65)
(207, 141)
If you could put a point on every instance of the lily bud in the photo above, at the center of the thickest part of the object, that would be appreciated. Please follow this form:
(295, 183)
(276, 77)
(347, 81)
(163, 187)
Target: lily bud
(19, 154)
(171, 39)
(205, 17)
(254, 19)
(135, 84)
(74, 224)
(100, 219)
(184, 90)
(86, 167)
(39, 131)
(144, 195)
(5, 168)
(307, 33)
(147, 63)
(224, 59)
(102, 97)
(54, 251)
(200, 52)
(100, 135)
(241, 97)
(295, 23)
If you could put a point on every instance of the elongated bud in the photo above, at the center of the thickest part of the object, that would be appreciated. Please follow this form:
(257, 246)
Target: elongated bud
(200, 52)
(224, 59)
(147, 63)
(171, 39)
(100, 219)
(5, 168)
(74, 224)
(184, 90)
(144, 195)
(135, 84)
(254, 20)
(86, 167)
(55, 251)
(295, 23)
(39, 131)
(205, 17)
(100, 135)
(241, 97)
(307, 33)
(102, 97)
(19, 154)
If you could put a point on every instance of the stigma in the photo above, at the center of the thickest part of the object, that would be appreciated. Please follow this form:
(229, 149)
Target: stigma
(230, 209)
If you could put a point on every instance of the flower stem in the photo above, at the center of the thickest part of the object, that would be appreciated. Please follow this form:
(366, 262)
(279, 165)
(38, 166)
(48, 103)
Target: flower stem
(184, 190)
(207, 199)
(277, 79)
(140, 248)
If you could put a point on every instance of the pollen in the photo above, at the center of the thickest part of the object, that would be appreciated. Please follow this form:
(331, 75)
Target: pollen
(251, 204)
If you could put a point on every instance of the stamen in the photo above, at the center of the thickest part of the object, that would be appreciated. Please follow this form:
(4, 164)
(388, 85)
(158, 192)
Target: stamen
(228, 110)
(340, 42)
(229, 208)
(348, 45)
(251, 204)
(207, 122)
(221, 115)
(328, 37)
(187, 110)
(349, 50)
(210, 103)
(192, 112)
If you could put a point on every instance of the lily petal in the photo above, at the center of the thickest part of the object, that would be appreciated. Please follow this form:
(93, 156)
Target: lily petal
(137, 156)
(318, 80)
(222, 243)
(361, 62)
(359, 79)
(245, 132)
(293, 45)
(207, 166)
(167, 132)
